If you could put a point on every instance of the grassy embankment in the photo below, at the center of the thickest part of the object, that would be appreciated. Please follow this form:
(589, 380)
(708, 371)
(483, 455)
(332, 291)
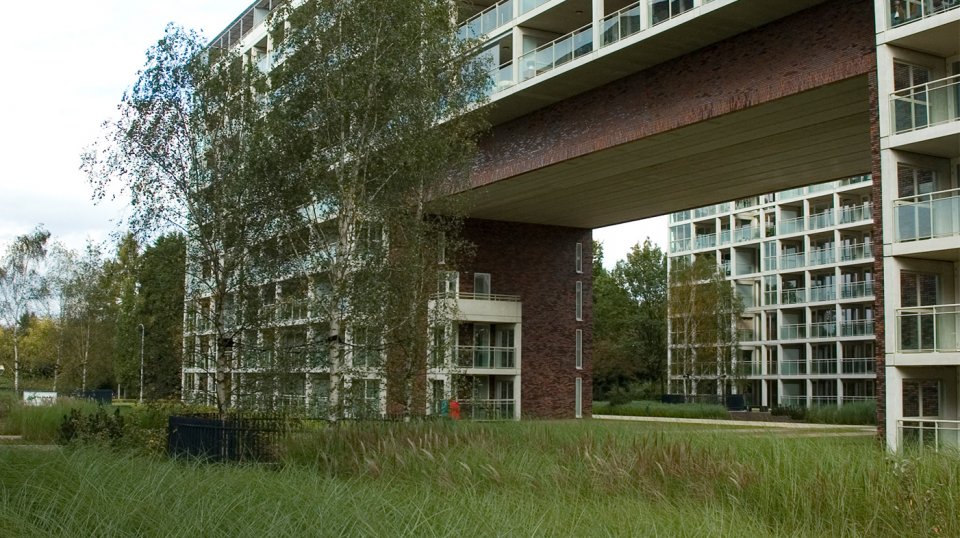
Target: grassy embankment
(548, 478)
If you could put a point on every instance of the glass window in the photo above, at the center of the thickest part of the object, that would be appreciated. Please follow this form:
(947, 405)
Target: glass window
(481, 283)
(578, 264)
(579, 306)
(579, 349)
(578, 404)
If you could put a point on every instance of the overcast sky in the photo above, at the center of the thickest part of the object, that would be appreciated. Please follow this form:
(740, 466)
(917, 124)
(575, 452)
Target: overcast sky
(65, 73)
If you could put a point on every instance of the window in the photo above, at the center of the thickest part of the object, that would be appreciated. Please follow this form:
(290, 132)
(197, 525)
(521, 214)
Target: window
(579, 306)
(449, 282)
(579, 349)
(578, 404)
(481, 284)
(911, 99)
(578, 264)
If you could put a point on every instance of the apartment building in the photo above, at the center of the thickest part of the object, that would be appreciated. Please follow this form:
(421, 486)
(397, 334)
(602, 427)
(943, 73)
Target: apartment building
(801, 261)
(918, 72)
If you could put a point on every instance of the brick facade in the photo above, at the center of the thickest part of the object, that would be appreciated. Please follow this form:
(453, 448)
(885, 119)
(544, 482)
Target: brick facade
(819, 46)
(538, 263)
(879, 325)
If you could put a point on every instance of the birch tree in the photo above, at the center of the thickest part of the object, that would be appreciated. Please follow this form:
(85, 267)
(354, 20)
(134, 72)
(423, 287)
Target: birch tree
(22, 287)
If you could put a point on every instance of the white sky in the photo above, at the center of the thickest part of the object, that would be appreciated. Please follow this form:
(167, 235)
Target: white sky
(67, 69)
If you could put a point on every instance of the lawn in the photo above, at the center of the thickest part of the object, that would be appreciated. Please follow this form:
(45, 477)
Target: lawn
(549, 478)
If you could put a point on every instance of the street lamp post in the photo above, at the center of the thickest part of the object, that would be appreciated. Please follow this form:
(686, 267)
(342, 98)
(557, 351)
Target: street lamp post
(142, 330)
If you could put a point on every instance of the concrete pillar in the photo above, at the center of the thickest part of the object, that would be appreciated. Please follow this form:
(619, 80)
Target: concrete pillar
(894, 405)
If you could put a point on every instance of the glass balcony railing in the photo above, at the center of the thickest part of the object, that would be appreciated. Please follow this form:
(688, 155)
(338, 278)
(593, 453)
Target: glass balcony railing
(680, 216)
(679, 245)
(856, 213)
(823, 293)
(664, 10)
(530, 5)
(928, 329)
(623, 23)
(746, 233)
(770, 297)
(487, 20)
(821, 256)
(928, 434)
(706, 211)
(851, 290)
(927, 216)
(793, 401)
(485, 357)
(487, 409)
(793, 331)
(791, 193)
(823, 366)
(859, 327)
(725, 268)
(856, 251)
(502, 77)
(821, 220)
(823, 329)
(746, 335)
(858, 365)
(562, 50)
(792, 367)
(724, 237)
(925, 105)
(791, 261)
(705, 241)
(904, 11)
(790, 226)
(793, 296)
(865, 178)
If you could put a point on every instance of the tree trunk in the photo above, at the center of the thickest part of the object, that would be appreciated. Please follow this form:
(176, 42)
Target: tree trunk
(16, 360)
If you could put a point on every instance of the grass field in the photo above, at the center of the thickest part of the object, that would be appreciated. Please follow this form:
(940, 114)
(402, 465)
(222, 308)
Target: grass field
(589, 478)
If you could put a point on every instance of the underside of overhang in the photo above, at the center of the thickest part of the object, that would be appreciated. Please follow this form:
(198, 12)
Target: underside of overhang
(810, 137)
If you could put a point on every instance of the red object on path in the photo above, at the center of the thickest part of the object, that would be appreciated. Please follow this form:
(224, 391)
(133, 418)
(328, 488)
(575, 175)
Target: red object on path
(454, 410)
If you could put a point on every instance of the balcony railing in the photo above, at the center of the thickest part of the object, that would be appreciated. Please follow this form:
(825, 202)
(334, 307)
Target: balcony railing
(621, 24)
(487, 20)
(705, 211)
(791, 261)
(856, 251)
(746, 335)
(859, 327)
(928, 329)
(823, 399)
(821, 256)
(823, 293)
(487, 409)
(770, 297)
(502, 77)
(746, 233)
(724, 237)
(925, 105)
(664, 10)
(927, 216)
(793, 331)
(793, 401)
(856, 213)
(557, 52)
(821, 220)
(823, 329)
(679, 245)
(928, 433)
(792, 367)
(823, 366)
(486, 357)
(904, 11)
(705, 241)
(790, 226)
(478, 297)
(793, 296)
(850, 290)
(858, 365)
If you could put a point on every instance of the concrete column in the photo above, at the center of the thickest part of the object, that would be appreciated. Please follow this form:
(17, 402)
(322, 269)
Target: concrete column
(597, 18)
(894, 406)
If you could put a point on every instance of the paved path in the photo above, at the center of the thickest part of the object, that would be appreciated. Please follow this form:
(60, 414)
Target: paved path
(736, 423)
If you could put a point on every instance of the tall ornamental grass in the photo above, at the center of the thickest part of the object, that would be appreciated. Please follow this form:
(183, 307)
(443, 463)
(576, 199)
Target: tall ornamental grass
(648, 408)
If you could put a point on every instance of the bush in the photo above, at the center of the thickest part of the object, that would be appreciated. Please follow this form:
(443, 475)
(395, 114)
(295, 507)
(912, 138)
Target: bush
(40, 424)
(864, 413)
(791, 411)
(647, 408)
(97, 427)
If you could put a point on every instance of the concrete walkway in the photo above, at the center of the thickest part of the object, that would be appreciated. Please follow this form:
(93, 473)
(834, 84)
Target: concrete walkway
(736, 423)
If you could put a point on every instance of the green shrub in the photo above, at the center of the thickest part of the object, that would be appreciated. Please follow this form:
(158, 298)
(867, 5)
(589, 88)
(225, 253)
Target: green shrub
(864, 413)
(41, 423)
(647, 408)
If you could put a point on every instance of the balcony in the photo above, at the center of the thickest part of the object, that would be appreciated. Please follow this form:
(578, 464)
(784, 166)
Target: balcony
(823, 367)
(927, 216)
(906, 11)
(488, 409)
(858, 365)
(705, 241)
(927, 329)
(557, 52)
(746, 233)
(482, 307)
(621, 24)
(823, 329)
(856, 213)
(859, 327)
(790, 226)
(821, 220)
(821, 256)
(679, 245)
(791, 261)
(489, 357)
(925, 105)
(488, 20)
(852, 290)
(792, 367)
(928, 434)
(823, 293)
(856, 251)
(746, 335)
(793, 296)
(793, 331)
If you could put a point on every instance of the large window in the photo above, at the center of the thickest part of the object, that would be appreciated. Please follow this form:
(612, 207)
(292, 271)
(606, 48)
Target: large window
(481, 284)
(910, 105)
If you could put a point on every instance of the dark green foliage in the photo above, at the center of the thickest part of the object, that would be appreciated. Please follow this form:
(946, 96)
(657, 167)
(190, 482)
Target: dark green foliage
(656, 409)
(97, 427)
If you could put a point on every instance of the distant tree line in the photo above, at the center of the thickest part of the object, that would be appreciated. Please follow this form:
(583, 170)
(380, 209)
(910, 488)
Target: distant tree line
(73, 320)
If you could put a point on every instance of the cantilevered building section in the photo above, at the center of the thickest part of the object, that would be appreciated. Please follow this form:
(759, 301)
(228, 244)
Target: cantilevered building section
(918, 66)
(801, 261)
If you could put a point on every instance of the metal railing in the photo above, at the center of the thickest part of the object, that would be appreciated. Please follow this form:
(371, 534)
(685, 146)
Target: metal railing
(705, 241)
(746, 335)
(821, 220)
(823, 293)
(502, 77)
(793, 401)
(858, 365)
(791, 261)
(850, 290)
(821, 256)
(664, 10)
(562, 50)
(793, 331)
(928, 328)
(487, 20)
(823, 366)
(621, 24)
(477, 297)
(925, 105)
(823, 329)
(492, 409)
(789, 226)
(904, 11)
(679, 245)
(860, 327)
(823, 399)
(856, 213)
(793, 296)
(927, 216)
(928, 433)
(746, 233)
(486, 357)
(856, 251)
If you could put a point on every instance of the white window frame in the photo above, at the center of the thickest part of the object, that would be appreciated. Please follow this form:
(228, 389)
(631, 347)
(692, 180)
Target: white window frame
(578, 263)
(579, 349)
(579, 301)
(578, 398)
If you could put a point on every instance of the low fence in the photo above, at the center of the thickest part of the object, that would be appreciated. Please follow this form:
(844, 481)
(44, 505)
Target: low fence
(235, 438)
